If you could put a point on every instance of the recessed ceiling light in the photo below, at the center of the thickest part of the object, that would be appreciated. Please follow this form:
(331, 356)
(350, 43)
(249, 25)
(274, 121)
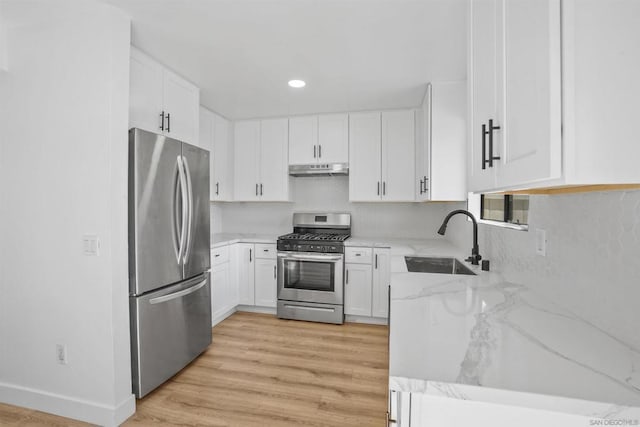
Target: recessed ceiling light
(297, 83)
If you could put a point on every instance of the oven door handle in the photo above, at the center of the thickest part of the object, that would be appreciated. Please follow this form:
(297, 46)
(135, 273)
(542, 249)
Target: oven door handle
(304, 256)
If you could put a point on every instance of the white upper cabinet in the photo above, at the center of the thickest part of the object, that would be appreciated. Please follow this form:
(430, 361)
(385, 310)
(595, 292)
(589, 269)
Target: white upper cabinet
(319, 139)
(441, 146)
(365, 157)
(530, 91)
(515, 123)
(222, 154)
(483, 65)
(333, 138)
(303, 140)
(398, 156)
(145, 92)
(382, 156)
(537, 124)
(274, 169)
(161, 101)
(205, 134)
(214, 136)
(181, 104)
(260, 159)
(246, 160)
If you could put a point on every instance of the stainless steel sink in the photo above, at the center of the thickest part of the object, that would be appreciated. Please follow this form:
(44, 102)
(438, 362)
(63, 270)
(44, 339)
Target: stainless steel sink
(417, 264)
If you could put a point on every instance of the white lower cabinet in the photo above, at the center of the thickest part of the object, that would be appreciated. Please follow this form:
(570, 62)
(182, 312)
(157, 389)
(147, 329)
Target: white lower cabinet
(265, 275)
(224, 292)
(380, 282)
(265, 283)
(256, 274)
(244, 262)
(367, 278)
(357, 289)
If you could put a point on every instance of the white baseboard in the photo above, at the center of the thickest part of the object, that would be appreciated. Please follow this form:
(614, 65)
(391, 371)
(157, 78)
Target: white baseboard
(256, 309)
(365, 319)
(223, 316)
(66, 406)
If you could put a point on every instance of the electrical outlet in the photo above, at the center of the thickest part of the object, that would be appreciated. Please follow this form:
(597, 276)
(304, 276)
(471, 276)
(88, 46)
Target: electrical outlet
(61, 354)
(541, 242)
(90, 245)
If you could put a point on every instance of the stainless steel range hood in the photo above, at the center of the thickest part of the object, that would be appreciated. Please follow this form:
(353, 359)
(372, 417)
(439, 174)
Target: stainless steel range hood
(325, 169)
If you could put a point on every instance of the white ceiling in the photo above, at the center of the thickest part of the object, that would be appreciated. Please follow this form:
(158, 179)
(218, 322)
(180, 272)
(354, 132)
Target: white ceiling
(353, 54)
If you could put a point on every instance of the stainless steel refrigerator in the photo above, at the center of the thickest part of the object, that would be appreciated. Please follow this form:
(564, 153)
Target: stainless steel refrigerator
(169, 261)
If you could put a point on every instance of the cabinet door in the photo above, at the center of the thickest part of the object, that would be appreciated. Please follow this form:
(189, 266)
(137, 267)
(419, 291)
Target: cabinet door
(205, 134)
(181, 102)
(246, 160)
(222, 182)
(145, 92)
(531, 149)
(357, 289)
(265, 282)
(303, 140)
(448, 143)
(221, 298)
(381, 282)
(483, 64)
(333, 138)
(274, 164)
(205, 141)
(423, 142)
(398, 156)
(364, 157)
(245, 260)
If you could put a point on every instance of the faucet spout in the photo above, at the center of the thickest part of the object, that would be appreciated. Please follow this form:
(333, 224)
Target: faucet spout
(475, 251)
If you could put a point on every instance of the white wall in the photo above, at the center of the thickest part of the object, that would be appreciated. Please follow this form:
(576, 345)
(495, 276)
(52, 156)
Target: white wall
(401, 220)
(592, 261)
(63, 173)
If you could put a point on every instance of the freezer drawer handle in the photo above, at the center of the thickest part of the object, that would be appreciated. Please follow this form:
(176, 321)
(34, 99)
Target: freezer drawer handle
(178, 294)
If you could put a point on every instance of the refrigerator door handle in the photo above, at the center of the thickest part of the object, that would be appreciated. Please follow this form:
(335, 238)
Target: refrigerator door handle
(189, 217)
(178, 294)
(183, 227)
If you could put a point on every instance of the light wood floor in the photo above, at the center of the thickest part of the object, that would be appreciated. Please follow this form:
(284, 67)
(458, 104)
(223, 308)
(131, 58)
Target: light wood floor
(260, 371)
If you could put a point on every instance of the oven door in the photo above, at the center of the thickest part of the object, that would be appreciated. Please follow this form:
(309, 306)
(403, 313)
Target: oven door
(311, 277)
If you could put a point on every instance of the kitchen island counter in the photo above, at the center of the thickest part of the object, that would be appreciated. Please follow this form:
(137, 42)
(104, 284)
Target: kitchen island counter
(482, 339)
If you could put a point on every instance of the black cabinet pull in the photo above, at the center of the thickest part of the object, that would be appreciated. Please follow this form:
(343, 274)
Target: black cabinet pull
(261, 189)
(319, 151)
(162, 120)
(376, 261)
(384, 188)
(491, 156)
(168, 122)
(378, 188)
(217, 188)
(425, 184)
(250, 254)
(347, 280)
(314, 151)
(421, 186)
(256, 189)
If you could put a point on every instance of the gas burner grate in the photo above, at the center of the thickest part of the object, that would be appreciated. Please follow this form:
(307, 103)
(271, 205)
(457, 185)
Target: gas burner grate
(315, 236)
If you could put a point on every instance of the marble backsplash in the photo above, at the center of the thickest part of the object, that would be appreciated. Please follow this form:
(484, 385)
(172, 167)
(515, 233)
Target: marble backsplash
(331, 194)
(592, 262)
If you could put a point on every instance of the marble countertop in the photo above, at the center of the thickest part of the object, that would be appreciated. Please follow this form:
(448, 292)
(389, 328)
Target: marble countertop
(222, 239)
(482, 338)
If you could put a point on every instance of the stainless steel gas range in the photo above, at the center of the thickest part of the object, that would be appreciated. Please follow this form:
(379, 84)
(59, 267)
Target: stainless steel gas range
(311, 268)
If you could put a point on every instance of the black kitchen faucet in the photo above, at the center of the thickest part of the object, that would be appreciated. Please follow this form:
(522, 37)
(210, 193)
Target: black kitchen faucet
(475, 251)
